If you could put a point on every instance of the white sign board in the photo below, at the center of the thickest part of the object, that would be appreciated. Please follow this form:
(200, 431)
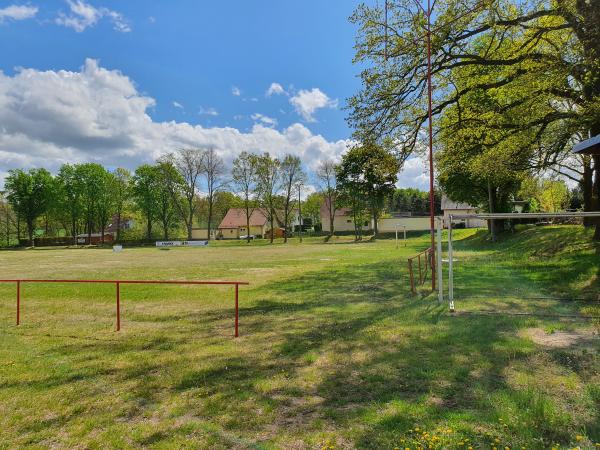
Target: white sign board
(181, 243)
(117, 248)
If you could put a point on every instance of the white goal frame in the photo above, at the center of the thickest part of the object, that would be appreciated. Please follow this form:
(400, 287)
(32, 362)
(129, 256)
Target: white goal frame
(488, 216)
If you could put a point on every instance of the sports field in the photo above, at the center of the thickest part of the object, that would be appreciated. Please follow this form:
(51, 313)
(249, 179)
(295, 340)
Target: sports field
(333, 351)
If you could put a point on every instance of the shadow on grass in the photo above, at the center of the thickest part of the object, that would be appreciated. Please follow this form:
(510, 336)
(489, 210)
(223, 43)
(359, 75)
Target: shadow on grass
(347, 349)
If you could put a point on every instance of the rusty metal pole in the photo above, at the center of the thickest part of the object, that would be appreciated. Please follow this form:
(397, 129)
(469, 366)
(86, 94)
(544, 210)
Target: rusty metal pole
(431, 174)
(18, 302)
(118, 286)
(412, 277)
(236, 311)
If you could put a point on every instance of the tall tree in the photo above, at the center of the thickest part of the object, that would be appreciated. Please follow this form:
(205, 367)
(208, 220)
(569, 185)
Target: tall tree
(29, 194)
(375, 170)
(145, 189)
(214, 171)
(107, 194)
(70, 196)
(244, 176)
(122, 191)
(190, 165)
(268, 184)
(92, 176)
(166, 211)
(292, 176)
(326, 174)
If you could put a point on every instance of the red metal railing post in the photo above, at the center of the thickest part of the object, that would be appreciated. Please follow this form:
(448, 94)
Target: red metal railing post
(236, 310)
(18, 302)
(412, 277)
(118, 285)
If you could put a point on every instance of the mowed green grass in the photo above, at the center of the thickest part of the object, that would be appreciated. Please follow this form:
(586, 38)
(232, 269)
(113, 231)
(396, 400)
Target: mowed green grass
(334, 351)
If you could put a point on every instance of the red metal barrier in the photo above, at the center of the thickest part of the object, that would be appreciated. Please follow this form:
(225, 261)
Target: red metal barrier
(118, 283)
(428, 257)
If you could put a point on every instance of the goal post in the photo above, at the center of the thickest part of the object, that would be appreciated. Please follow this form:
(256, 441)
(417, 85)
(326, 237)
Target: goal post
(492, 216)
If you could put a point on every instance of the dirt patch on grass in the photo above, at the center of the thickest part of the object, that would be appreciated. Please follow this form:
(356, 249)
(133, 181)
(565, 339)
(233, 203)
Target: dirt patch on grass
(562, 339)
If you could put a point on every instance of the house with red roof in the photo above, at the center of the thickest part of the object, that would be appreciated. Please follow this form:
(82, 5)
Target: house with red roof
(234, 224)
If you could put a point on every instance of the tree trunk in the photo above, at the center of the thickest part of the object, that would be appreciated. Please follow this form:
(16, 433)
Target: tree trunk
(272, 227)
(190, 224)
(210, 209)
(149, 228)
(165, 230)
(74, 232)
(247, 221)
(102, 234)
(375, 225)
(587, 183)
(492, 208)
(30, 232)
(596, 195)
(118, 226)
(286, 217)
(89, 232)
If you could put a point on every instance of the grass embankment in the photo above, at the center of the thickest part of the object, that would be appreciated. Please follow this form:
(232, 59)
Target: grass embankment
(333, 349)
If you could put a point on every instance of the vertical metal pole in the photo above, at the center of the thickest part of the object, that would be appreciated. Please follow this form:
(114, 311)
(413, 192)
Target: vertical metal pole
(412, 277)
(431, 174)
(236, 310)
(118, 285)
(18, 302)
(299, 213)
(440, 279)
(450, 267)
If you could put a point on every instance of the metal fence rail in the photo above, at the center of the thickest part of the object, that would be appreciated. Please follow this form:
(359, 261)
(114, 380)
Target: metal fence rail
(425, 262)
(118, 284)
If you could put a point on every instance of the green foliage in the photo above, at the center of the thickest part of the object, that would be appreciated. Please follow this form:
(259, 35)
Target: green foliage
(367, 173)
(30, 194)
(413, 200)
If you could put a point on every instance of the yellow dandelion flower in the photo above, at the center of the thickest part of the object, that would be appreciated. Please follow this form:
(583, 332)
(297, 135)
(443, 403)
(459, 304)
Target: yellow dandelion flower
(578, 437)
(497, 441)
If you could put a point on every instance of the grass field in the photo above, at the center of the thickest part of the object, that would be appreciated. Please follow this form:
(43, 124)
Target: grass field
(334, 351)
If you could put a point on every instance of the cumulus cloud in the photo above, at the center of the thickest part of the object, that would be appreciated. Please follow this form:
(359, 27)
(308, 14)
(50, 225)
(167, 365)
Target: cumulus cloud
(269, 121)
(177, 105)
(17, 12)
(415, 173)
(307, 102)
(52, 117)
(275, 89)
(84, 15)
(236, 91)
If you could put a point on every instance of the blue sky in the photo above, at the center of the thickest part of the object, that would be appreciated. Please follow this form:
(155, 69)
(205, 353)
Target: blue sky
(121, 82)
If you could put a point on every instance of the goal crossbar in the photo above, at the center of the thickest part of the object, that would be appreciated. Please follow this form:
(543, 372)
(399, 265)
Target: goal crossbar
(559, 215)
(496, 216)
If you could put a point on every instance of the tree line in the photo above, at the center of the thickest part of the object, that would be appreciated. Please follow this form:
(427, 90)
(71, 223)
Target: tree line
(85, 198)
(190, 186)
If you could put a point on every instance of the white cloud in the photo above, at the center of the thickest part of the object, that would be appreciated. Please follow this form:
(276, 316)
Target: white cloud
(17, 12)
(236, 91)
(52, 117)
(275, 89)
(306, 103)
(269, 121)
(207, 111)
(177, 105)
(415, 173)
(84, 15)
